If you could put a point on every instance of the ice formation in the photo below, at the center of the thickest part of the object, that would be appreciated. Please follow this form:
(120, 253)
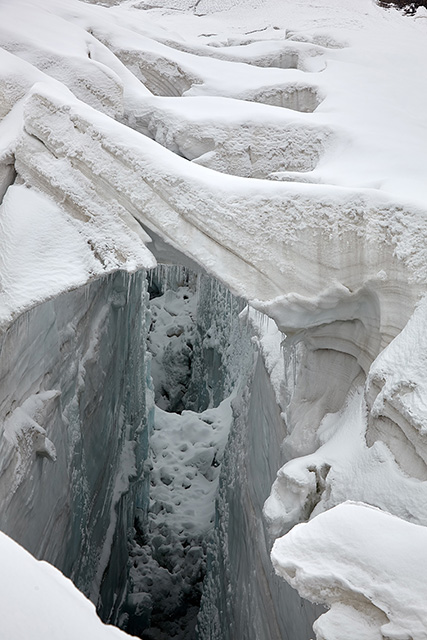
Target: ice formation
(163, 427)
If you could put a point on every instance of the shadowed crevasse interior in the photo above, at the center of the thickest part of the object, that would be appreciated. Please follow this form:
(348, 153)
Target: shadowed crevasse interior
(92, 494)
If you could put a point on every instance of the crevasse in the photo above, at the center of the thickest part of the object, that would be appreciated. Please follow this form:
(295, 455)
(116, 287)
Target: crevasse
(80, 459)
(282, 151)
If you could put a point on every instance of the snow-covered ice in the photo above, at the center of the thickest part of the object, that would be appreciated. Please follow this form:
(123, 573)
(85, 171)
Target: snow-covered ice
(281, 148)
(368, 566)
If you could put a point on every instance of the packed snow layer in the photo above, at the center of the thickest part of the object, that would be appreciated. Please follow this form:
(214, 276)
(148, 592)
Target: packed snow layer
(32, 225)
(234, 137)
(282, 227)
(396, 397)
(302, 239)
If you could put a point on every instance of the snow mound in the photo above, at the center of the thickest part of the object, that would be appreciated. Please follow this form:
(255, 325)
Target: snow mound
(367, 566)
(42, 603)
(237, 138)
(281, 146)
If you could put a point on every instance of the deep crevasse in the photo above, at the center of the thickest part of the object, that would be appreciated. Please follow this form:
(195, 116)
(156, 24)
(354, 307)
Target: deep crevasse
(77, 450)
(76, 427)
(199, 352)
(188, 538)
(243, 598)
(195, 533)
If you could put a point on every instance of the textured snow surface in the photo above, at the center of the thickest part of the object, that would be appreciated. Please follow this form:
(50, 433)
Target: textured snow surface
(100, 173)
(282, 147)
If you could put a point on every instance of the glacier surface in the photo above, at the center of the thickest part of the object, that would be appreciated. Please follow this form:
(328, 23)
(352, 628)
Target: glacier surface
(271, 394)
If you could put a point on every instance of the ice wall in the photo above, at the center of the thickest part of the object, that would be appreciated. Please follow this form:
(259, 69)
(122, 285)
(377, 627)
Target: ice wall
(243, 598)
(76, 436)
(205, 365)
(74, 431)
(199, 344)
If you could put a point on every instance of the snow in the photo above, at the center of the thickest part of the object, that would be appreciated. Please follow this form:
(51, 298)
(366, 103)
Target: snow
(42, 603)
(187, 451)
(25, 434)
(32, 225)
(344, 467)
(245, 140)
(368, 566)
(281, 147)
(168, 568)
(187, 446)
(249, 140)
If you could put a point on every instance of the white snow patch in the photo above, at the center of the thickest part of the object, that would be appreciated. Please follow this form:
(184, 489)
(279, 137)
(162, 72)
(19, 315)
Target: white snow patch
(366, 565)
(39, 602)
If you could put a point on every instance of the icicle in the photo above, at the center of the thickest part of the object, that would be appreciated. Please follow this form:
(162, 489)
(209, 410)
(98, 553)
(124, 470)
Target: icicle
(130, 281)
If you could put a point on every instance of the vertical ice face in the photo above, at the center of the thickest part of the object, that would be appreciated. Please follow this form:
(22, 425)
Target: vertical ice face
(242, 597)
(196, 338)
(75, 430)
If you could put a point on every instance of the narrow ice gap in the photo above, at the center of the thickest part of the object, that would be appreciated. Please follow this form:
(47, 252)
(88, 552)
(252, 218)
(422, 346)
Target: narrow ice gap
(196, 344)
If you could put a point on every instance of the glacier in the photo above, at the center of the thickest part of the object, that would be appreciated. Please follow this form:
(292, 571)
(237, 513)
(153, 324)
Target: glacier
(212, 320)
